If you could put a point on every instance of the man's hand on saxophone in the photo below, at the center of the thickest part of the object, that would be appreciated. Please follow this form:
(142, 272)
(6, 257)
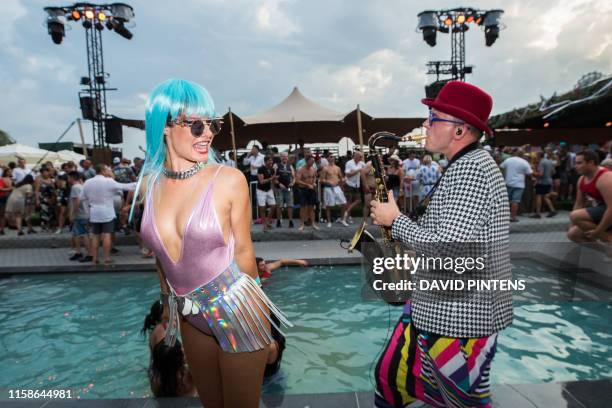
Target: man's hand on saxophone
(384, 213)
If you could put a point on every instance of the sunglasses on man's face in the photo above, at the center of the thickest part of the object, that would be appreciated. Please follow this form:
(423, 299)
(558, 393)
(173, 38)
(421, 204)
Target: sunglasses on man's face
(433, 118)
(197, 126)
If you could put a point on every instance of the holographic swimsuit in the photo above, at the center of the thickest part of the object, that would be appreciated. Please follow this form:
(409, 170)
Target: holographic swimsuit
(205, 283)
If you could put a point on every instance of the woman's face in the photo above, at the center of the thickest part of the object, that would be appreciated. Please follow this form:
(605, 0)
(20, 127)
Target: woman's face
(189, 138)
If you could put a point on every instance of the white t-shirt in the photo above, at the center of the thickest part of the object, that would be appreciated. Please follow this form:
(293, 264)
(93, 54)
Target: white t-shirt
(411, 164)
(516, 169)
(19, 174)
(354, 180)
(255, 162)
(100, 192)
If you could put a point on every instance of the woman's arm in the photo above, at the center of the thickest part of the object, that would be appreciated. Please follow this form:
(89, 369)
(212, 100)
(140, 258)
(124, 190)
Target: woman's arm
(285, 262)
(240, 220)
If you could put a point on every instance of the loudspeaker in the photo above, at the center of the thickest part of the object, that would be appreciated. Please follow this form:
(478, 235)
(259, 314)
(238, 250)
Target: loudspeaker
(90, 109)
(432, 90)
(114, 131)
(102, 156)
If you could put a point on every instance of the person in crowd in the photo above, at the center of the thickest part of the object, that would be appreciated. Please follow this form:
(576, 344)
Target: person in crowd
(265, 192)
(230, 161)
(427, 175)
(62, 189)
(331, 181)
(306, 182)
(99, 191)
(88, 170)
(79, 218)
(442, 162)
(352, 171)
(45, 198)
(592, 223)
(283, 189)
(543, 187)
(395, 174)
(16, 202)
(515, 169)
(20, 171)
(124, 174)
(137, 166)
(6, 186)
(607, 163)
(411, 184)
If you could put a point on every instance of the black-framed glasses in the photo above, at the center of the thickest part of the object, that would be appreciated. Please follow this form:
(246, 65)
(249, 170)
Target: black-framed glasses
(197, 126)
(433, 118)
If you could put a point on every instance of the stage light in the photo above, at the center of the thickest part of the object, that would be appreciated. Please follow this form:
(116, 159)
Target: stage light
(99, 26)
(122, 12)
(428, 24)
(121, 30)
(608, 124)
(491, 23)
(85, 81)
(448, 22)
(75, 15)
(109, 24)
(101, 16)
(55, 23)
(87, 24)
(100, 79)
(89, 14)
(546, 124)
(461, 18)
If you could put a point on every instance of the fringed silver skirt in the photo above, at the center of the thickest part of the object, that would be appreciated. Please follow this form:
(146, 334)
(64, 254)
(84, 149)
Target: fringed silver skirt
(234, 307)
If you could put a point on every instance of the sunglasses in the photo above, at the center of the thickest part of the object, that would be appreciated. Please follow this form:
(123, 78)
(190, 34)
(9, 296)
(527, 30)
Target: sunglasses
(197, 126)
(433, 118)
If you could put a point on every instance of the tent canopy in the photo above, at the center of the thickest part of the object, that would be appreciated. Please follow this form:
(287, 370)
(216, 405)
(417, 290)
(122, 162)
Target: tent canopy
(32, 155)
(295, 108)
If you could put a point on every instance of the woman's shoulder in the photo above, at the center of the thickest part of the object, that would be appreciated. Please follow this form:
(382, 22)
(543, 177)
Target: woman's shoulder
(231, 176)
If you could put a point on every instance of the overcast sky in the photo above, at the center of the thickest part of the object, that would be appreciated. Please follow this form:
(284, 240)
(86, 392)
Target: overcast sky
(250, 54)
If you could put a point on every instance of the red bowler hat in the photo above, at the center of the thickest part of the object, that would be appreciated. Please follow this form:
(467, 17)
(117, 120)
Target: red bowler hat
(464, 101)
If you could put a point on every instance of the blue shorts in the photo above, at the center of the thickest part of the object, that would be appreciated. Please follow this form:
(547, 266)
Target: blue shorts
(79, 227)
(515, 194)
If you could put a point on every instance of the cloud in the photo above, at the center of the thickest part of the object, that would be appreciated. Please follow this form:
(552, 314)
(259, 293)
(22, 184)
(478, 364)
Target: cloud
(271, 19)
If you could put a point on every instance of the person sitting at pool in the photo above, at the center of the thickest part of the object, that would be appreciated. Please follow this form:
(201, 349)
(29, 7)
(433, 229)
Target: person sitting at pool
(169, 375)
(264, 269)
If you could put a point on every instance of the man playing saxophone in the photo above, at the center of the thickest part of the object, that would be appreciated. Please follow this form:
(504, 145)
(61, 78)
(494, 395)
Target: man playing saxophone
(441, 349)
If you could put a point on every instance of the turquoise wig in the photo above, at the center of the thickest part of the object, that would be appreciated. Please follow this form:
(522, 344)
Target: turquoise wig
(170, 99)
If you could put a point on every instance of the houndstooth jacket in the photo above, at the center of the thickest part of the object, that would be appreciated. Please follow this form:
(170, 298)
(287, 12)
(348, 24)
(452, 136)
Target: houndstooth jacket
(470, 205)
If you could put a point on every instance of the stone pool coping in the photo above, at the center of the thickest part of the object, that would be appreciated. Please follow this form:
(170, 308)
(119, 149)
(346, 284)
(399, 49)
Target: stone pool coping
(572, 394)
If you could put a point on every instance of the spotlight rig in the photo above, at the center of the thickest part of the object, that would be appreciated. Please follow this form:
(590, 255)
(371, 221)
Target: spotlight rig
(94, 18)
(455, 22)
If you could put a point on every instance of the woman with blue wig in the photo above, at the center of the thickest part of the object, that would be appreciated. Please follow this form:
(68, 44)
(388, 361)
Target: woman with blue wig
(197, 221)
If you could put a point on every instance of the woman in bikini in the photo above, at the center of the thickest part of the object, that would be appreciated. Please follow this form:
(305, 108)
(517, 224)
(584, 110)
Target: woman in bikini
(197, 221)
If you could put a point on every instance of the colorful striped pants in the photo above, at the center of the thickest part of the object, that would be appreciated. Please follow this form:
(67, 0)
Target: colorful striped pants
(441, 371)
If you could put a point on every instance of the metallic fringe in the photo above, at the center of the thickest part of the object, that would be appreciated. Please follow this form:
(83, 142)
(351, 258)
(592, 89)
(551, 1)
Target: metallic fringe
(234, 307)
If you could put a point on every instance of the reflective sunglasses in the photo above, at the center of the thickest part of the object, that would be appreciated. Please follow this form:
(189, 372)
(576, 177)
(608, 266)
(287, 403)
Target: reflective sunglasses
(433, 118)
(197, 126)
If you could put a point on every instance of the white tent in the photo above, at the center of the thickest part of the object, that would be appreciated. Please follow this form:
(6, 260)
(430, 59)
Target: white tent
(69, 155)
(295, 108)
(32, 155)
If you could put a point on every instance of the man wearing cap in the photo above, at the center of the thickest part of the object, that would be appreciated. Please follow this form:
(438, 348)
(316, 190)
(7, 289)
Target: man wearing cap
(441, 350)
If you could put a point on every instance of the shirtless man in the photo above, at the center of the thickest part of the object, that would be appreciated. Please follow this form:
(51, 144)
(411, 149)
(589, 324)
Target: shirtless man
(331, 178)
(369, 188)
(305, 181)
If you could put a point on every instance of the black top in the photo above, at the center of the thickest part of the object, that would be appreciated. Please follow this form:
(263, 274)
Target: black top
(284, 174)
(267, 173)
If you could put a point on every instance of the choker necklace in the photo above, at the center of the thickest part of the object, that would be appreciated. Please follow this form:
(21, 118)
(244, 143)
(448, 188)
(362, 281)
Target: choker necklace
(182, 175)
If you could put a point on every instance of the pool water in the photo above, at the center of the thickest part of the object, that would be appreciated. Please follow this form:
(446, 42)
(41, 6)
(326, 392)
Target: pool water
(81, 332)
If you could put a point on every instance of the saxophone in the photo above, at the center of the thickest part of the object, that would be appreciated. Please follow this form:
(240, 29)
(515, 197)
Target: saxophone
(363, 241)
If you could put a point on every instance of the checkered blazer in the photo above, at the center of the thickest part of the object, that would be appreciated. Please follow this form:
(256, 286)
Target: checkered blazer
(470, 205)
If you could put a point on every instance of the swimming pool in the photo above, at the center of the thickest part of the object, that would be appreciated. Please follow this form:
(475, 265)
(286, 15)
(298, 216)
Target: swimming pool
(81, 332)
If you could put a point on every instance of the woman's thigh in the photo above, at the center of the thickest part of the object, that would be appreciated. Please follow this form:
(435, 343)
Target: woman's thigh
(242, 376)
(202, 353)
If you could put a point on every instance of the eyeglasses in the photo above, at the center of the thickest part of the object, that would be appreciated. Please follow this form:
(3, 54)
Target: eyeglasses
(197, 126)
(433, 118)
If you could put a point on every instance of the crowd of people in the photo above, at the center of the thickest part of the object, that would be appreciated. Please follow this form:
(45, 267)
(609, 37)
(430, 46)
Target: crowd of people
(93, 202)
